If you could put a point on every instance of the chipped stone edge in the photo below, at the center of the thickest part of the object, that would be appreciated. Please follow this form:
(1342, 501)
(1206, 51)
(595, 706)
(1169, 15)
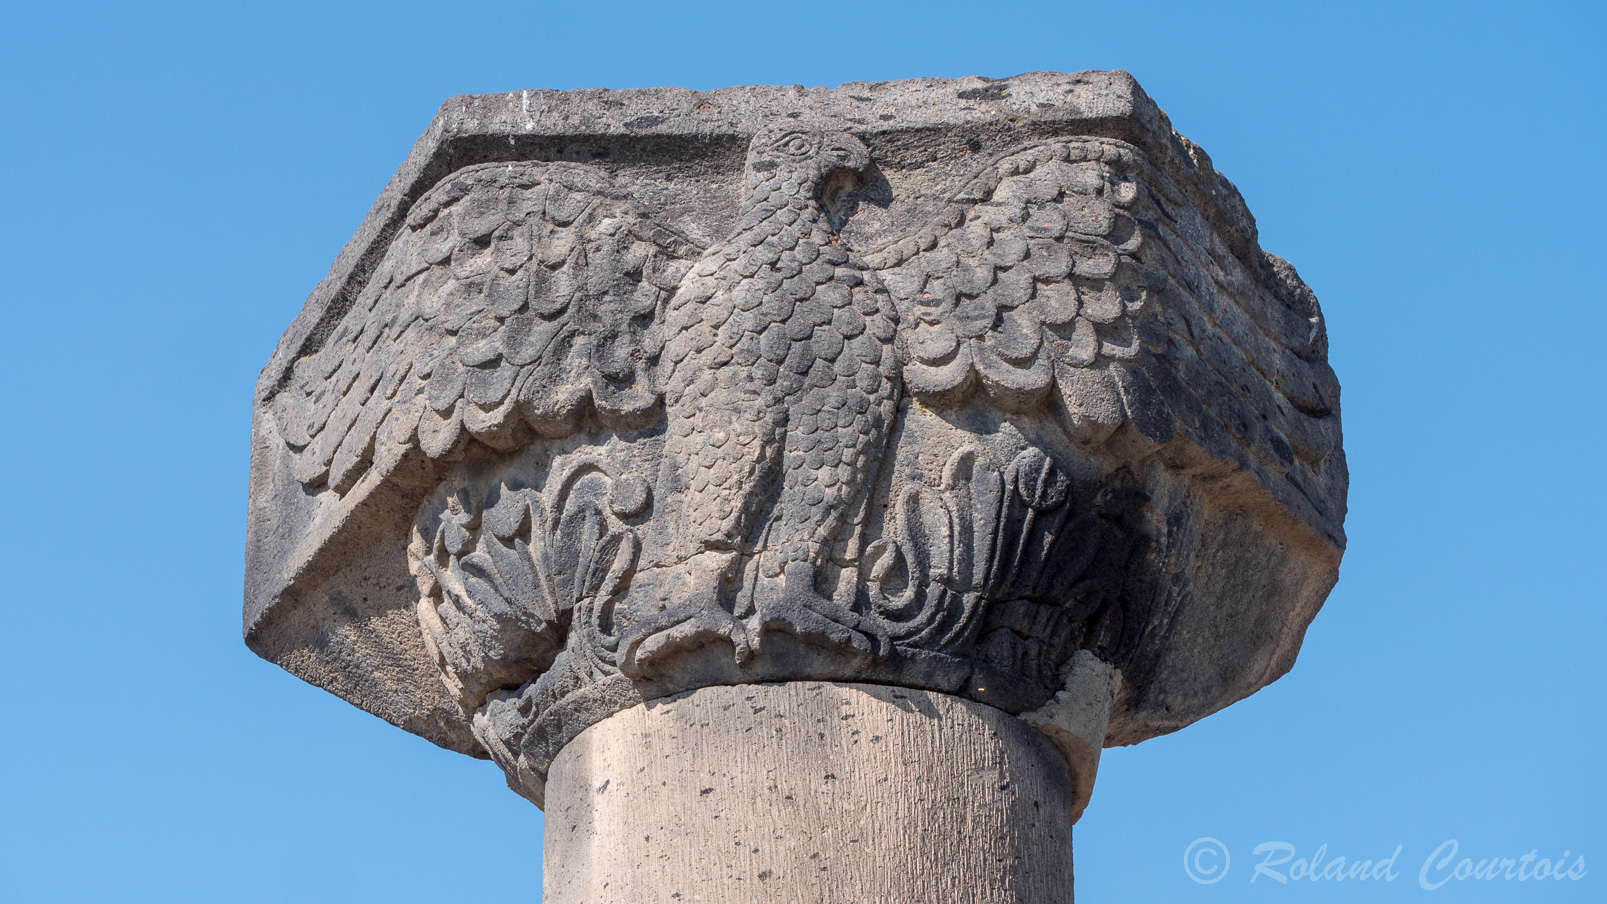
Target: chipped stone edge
(1076, 719)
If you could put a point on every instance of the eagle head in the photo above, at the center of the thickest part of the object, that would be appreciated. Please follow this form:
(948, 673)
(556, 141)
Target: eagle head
(808, 158)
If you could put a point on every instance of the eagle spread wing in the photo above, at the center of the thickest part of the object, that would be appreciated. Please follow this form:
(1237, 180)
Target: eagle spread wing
(516, 298)
(1069, 276)
(1038, 283)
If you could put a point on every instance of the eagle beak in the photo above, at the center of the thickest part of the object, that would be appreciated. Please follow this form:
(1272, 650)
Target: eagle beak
(849, 152)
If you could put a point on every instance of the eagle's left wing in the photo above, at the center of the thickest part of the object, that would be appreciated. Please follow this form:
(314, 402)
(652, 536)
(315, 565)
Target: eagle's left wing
(1072, 277)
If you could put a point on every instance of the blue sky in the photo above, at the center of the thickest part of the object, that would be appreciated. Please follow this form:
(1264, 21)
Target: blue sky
(179, 176)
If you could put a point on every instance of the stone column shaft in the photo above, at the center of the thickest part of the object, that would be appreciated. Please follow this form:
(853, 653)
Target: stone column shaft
(809, 792)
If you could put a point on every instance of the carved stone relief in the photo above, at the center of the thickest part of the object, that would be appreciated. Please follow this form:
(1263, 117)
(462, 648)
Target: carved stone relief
(948, 450)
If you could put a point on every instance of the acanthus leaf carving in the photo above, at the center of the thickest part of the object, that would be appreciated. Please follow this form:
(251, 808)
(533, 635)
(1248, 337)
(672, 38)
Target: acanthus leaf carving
(506, 578)
(993, 551)
(1003, 569)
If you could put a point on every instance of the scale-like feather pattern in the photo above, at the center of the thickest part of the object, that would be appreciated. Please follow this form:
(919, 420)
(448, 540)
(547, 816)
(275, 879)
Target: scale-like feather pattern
(516, 298)
(1073, 274)
(781, 369)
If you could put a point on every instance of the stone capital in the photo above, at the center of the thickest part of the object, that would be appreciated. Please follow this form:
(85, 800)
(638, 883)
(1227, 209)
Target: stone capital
(974, 388)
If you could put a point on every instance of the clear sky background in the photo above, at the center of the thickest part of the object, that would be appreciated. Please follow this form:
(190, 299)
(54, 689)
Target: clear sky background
(177, 177)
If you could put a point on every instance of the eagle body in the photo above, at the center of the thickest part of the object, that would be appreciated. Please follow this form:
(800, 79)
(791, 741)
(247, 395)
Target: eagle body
(782, 377)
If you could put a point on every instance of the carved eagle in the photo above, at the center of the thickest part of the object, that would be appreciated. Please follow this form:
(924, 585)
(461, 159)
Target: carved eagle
(530, 300)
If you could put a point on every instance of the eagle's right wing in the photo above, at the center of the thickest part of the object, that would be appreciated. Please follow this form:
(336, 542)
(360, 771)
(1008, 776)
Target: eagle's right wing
(516, 298)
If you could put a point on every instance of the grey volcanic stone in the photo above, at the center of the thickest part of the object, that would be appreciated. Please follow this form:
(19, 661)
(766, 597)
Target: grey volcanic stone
(947, 385)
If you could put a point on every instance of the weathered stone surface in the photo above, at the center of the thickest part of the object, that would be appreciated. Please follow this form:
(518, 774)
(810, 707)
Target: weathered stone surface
(808, 792)
(1077, 720)
(942, 385)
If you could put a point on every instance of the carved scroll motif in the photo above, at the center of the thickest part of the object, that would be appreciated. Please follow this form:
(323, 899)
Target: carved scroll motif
(998, 571)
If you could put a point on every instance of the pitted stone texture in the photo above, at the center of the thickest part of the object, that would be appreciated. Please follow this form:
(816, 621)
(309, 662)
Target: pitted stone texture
(810, 793)
(933, 384)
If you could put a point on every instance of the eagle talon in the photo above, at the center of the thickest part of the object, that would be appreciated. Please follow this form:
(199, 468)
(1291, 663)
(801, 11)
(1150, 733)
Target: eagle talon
(674, 631)
(803, 612)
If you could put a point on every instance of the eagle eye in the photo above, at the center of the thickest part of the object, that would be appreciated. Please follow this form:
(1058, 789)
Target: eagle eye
(796, 144)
